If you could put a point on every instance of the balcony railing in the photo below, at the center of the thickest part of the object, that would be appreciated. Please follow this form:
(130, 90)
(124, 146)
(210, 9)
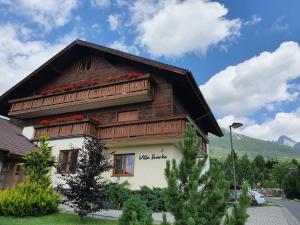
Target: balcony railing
(67, 129)
(105, 95)
(150, 129)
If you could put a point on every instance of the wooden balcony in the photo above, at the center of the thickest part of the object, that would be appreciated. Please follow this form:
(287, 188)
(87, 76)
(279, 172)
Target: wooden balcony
(67, 129)
(143, 130)
(105, 95)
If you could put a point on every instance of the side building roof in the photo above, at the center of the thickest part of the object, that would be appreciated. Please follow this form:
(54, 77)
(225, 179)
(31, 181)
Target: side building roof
(11, 139)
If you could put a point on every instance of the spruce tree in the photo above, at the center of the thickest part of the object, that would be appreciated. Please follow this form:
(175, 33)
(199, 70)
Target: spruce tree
(83, 188)
(194, 198)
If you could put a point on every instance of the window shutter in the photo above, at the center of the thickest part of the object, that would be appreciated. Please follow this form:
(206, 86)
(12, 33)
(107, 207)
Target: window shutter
(60, 158)
(127, 116)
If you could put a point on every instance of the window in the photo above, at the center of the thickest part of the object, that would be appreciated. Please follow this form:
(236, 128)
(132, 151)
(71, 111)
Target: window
(85, 64)
(67, 161)
(127, 116)
(123, 165)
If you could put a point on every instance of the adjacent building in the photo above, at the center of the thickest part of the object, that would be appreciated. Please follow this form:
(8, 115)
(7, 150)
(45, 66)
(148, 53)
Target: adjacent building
(13, 146)
(138, 107)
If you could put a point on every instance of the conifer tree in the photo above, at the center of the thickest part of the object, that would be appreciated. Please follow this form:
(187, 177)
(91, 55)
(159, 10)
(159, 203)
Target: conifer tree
(39, 162)
(194, 198)
(239, 213)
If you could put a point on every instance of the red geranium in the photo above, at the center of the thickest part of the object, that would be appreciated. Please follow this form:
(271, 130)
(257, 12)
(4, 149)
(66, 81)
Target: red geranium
(96, 119)
(62, 119)
(93, 82)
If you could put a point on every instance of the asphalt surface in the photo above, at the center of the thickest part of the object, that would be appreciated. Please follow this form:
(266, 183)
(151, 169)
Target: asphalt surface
(292, 206)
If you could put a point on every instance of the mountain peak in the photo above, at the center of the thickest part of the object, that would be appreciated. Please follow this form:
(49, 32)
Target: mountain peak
(285, 140)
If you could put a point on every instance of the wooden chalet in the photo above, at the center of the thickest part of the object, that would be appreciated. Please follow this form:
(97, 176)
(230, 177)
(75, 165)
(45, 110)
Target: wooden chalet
(138, 107)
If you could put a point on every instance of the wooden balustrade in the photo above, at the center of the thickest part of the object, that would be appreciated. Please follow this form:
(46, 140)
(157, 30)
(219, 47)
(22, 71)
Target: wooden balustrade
(105, 95)
(66, 129)
(166, 128)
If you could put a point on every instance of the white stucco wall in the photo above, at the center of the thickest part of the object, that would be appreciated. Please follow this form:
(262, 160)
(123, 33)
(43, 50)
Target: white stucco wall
(146, 172)
(28, 132)
(63, 144)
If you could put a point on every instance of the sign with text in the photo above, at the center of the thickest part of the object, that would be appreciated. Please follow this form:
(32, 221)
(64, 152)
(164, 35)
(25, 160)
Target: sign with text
(152, 157)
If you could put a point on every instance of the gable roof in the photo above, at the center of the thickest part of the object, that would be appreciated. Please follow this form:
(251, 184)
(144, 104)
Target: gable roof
(11, 139)
(182, 77)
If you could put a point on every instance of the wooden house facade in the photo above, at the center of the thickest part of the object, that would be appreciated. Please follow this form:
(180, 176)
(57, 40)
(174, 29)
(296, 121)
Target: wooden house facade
(138, 107)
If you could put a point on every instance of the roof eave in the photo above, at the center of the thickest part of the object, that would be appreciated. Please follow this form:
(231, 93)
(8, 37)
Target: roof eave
(201, 98)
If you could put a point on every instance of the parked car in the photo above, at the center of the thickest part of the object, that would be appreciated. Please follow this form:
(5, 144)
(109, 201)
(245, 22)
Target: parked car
(257, 198)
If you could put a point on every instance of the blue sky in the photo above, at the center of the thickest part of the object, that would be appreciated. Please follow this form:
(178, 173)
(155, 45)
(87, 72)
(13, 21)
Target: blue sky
(245, 54)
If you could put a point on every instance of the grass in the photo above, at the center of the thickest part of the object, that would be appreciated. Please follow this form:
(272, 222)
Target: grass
(55, 219)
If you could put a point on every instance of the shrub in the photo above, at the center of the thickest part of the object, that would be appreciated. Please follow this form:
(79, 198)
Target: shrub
(154, 198)
(28, 200)
(135, 212)
(118, 194)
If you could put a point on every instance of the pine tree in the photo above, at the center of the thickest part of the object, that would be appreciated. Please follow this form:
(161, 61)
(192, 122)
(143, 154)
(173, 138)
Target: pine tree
(86, 185)
(239, 213)
(192, 198)
(38, 163)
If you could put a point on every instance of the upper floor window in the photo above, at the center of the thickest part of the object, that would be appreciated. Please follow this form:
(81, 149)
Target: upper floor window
(128, 116)
(123, 165)
(67, 161)
(85, 64)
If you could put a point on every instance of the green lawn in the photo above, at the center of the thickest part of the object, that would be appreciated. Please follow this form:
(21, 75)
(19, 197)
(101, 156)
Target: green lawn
(55, 219)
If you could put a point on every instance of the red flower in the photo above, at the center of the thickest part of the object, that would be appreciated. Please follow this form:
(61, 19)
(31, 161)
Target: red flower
(93, 82)
(44, 122)
(62, 119)
(111, 78)
(96, 119)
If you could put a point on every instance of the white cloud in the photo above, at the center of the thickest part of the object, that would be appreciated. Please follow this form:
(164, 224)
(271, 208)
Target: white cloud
(96, 27)
(20, 56)
(226, 121)
(261, 81)
(121, 3)
(113, 21)
(174, 28)
(122, 46)
(100, 3)
(48, 14)
(282, 124)
(279, 25)
(254, 20)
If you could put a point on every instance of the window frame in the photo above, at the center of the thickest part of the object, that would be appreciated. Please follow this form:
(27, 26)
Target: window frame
(70, 154)
(84, 64)
(123, 164)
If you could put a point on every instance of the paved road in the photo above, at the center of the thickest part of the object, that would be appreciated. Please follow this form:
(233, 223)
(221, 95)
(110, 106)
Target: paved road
(292, 206)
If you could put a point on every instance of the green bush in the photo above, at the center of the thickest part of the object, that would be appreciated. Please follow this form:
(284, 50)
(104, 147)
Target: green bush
(28, 200)
(154, 198)
(135, 212)
(118, 194)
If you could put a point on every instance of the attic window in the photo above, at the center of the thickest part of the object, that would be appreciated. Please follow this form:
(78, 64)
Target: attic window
(85, 64)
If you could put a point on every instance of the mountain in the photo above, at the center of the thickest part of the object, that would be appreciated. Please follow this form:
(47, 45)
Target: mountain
(297, 145)
(220, 147)
(284, 140)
